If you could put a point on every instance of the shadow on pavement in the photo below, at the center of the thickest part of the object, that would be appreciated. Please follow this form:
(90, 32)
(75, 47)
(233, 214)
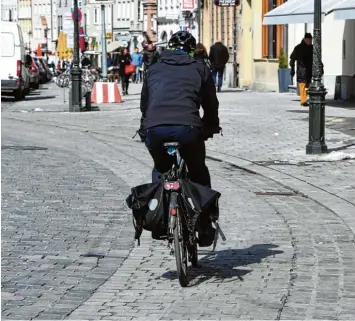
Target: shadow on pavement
(224, 264)
(35, 97)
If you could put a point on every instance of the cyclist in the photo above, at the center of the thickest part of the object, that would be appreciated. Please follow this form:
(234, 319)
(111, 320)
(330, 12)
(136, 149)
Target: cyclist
(172, 93)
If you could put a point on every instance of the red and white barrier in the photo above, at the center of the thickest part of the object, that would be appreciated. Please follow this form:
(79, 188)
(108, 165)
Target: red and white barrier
(105, 92)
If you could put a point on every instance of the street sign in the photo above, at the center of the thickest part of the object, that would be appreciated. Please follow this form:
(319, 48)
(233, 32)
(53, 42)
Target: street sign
(80, 15)
(227, 3)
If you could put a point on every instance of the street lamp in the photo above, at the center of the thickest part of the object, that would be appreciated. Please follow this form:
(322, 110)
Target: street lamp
(76, 71)
(29, 40)
(316, 140)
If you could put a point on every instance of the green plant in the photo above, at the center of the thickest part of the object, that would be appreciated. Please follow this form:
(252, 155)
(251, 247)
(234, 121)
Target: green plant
(282, 59)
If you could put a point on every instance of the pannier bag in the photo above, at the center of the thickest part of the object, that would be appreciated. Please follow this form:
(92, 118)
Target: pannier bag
(149, 205)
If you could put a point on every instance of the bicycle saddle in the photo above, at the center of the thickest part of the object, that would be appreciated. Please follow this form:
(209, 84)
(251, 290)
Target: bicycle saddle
(172, 144)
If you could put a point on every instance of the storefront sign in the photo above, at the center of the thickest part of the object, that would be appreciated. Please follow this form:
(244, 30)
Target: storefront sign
(227, 3)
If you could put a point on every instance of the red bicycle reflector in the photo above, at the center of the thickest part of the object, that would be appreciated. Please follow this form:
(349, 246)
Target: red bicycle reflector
(172, 211)
(174, 186)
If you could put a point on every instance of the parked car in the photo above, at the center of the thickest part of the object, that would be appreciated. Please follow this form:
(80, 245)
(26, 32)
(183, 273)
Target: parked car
(42, 71)
(48, 75)
(34, 75)
(14, 62)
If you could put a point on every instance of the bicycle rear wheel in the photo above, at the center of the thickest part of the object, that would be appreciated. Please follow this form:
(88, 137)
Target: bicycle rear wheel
(180, 250)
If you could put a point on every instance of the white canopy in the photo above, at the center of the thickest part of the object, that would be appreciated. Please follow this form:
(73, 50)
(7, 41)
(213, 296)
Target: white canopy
(301, 11)
(345, 10)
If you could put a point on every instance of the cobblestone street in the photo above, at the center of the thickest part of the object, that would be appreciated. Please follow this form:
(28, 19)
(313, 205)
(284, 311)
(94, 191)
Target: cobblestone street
(67, 235)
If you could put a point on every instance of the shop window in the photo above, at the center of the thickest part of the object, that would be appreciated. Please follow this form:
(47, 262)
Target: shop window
(272, 36)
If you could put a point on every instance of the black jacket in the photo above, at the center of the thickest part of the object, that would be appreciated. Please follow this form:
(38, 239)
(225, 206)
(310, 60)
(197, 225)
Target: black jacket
(173, 91)
(219, 55)
(303, 54)
(203, 58)
(150, 57)
(123, 61)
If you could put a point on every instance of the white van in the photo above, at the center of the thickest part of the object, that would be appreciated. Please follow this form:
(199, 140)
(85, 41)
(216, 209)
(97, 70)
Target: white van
(15, 63)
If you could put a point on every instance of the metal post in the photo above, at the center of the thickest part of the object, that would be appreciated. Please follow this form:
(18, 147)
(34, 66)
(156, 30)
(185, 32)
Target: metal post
(316, 141)
(103, 44)
(29, 40)
(47, 42)
(76, 71)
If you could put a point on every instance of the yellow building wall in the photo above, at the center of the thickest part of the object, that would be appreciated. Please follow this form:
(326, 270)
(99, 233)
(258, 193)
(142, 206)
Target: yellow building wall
(246, 44)
(264, 73)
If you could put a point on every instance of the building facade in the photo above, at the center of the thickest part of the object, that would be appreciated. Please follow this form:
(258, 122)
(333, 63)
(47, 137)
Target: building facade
(261, 46)
(150, 27)
(168, 14)
(262, 43)
(128, 16)
(25, 22)
(44, 16)
(223, 24)
(9, 10)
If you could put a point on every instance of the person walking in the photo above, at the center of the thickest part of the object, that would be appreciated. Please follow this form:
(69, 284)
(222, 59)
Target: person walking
(137, 60)
(303, 54)
(124, 59)
(202, 56)
(219, 57)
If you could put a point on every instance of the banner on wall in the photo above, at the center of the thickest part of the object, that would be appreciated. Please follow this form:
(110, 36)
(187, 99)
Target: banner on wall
(188, 5)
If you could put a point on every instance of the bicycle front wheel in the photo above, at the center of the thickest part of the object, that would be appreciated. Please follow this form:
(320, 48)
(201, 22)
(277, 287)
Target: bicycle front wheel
(180, 250)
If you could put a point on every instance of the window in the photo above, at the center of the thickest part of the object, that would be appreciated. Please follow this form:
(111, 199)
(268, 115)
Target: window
(96, 16)
(272, 36)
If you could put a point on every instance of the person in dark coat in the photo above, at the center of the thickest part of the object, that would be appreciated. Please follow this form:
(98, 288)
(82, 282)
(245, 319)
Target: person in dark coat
(150, 56)
(85, 62)
(173, 91)
(202, 56)
(219, 57)
(124, 59)
(303, 54)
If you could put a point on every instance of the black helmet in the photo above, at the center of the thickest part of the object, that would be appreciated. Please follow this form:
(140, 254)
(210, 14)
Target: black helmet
(182, 40)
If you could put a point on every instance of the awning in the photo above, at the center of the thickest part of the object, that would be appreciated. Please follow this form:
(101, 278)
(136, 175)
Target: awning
(112, 46)
(299, 11)
(345, 10)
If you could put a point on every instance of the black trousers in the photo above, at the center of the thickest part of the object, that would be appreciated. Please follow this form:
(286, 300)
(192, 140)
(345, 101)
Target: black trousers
(125, 83)
(192, 150)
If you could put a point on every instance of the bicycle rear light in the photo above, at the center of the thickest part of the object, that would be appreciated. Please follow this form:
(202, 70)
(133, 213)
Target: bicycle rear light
(172, 186)
(172, 211)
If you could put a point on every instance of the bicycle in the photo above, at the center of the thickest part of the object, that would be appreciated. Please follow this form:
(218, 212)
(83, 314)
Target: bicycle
(181, 230)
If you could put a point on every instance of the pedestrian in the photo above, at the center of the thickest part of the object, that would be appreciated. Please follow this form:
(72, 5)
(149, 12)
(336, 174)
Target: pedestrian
(150, 56)
(85, 62)
(219, 57)
(137, 60)
(124, 60)
(202, 56)
(303, 54)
